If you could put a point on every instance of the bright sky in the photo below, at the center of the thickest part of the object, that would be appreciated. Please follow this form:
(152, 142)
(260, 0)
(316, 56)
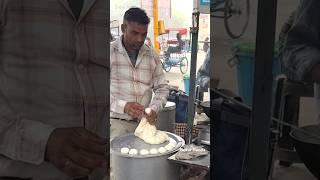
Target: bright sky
(181, 12)
(182, 6)
(179, 8)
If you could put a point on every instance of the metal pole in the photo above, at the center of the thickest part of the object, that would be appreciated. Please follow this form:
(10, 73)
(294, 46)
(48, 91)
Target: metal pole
(155, 26)
(194, 51)
(262, 92)
(211, 87)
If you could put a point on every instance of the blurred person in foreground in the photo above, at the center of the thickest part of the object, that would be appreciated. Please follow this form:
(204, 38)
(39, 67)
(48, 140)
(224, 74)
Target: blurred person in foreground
(54, 79)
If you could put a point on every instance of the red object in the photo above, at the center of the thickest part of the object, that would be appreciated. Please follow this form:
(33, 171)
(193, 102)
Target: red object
(182, 31)
(172, 41)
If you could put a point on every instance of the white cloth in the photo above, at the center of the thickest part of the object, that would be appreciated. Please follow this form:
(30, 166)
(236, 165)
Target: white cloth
(149, 133)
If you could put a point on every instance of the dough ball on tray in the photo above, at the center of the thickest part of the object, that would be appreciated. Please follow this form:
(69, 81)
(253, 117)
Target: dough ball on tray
(124, 150)
(144, 152)
(133, 151)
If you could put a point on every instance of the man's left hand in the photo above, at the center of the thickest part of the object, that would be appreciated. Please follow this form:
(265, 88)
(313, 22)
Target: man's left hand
(151, 117)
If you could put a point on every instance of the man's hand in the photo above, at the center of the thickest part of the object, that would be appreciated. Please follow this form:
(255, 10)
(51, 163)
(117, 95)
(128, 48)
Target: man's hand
(76, 151)
(134, 109)
(151, 117)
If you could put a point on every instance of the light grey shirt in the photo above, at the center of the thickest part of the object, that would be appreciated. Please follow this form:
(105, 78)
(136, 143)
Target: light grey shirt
(301, 43)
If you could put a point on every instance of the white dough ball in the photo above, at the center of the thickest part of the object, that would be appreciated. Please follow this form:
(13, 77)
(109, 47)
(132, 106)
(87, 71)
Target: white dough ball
(153, 151)
(148, 110)
(133, 151)
(162, 150)
(144, 152)
(169, 147)
(124, 150)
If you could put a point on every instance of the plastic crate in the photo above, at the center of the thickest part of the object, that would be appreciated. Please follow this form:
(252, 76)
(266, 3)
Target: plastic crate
(181, 101)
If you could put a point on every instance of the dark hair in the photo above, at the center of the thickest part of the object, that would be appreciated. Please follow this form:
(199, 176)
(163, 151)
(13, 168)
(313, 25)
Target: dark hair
(178, 35)
(136, 15)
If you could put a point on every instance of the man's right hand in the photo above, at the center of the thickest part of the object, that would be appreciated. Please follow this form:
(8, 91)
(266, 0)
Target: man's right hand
(134, 109)
(76, 151)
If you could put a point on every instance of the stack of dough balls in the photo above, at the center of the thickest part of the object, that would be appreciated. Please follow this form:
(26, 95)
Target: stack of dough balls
(172, 144)
(149, 133)
(126, 150)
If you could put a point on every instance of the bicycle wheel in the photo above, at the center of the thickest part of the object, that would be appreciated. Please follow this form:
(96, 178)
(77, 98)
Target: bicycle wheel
(236, 17)
(166, 66)
(184, 65)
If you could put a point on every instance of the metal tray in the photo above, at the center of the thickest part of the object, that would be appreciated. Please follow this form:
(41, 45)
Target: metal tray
(131, 141)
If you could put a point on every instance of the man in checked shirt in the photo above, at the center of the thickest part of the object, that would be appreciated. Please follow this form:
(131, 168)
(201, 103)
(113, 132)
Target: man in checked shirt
(136, 75)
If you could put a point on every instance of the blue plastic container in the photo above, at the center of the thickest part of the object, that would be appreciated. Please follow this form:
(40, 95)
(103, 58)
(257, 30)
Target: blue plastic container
(186, 83)
(181, 101)
(245, 55)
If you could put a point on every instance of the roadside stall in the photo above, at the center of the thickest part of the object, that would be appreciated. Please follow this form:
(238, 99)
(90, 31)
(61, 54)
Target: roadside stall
(157, 152)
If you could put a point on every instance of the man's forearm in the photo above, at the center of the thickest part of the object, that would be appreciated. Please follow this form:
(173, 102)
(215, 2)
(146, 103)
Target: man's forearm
(21, 139)
(24, 140)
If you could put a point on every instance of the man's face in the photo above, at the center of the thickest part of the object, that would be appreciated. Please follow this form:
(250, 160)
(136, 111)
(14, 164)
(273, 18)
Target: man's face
(134, 34)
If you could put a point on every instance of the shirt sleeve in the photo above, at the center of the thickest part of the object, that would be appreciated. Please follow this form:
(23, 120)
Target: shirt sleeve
(22, 139)
(117, 105)
(160, 87)
(301, 49)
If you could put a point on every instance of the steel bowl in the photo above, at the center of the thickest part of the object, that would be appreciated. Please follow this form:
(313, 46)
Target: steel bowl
(143, 167)
(308, 147)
